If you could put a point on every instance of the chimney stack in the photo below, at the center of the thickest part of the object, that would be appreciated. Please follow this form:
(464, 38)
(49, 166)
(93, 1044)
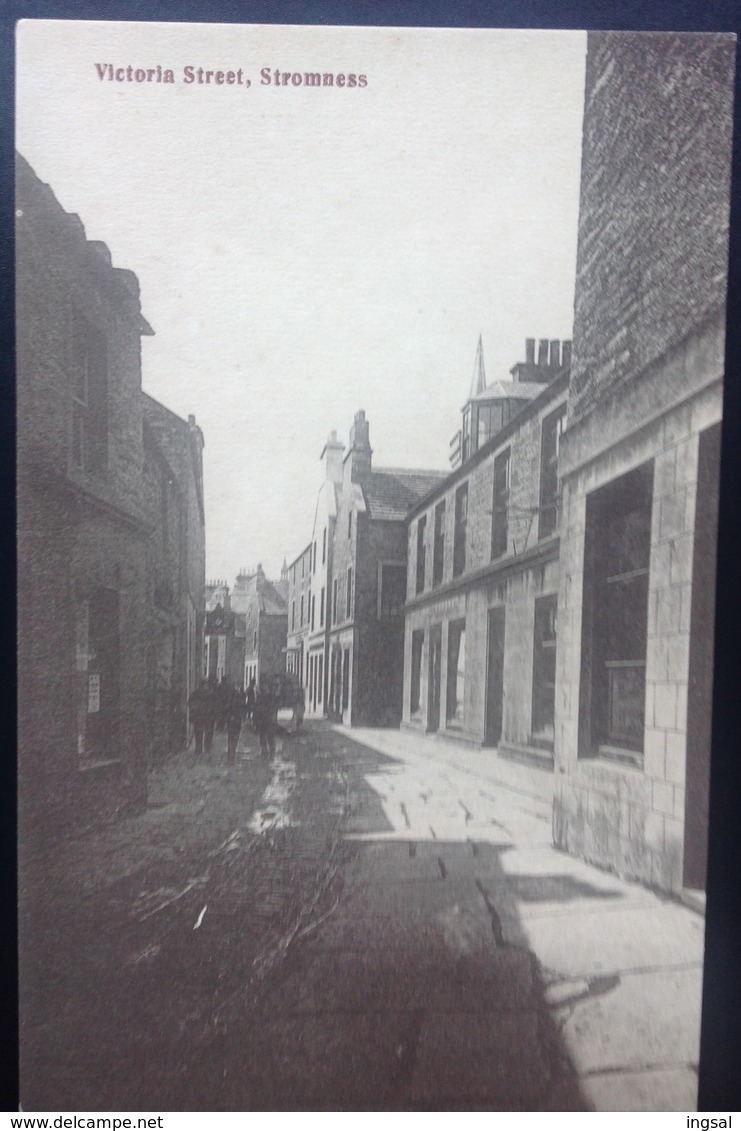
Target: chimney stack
(554, 358)
(566, 355)
(359, 452)
(530, 351)
(543, 353)
(332, 456)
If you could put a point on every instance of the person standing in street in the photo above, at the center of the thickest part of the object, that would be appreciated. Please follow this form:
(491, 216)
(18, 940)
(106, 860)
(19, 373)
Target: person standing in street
(266, 718)
(201, 708)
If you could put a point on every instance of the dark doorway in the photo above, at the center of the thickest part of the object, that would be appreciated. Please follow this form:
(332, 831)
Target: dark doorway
(544, 670)
(494, 677)
(700, 689)
(433, 682)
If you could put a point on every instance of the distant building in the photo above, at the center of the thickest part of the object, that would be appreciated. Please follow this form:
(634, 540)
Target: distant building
(299, 576)
(223, 643)
(366, 637)
(263, 604)
(482, 584)
(85, 617)
(639, 458)
(173, 493)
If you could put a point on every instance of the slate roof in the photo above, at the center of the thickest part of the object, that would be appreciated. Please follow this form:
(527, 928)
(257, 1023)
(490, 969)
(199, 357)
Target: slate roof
(390, 492)
(520, 390)
(272, 600)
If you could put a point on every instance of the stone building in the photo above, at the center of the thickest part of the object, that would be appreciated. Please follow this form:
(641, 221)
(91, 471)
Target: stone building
(350, 581)
(83, 532)
(173, 501)
(299, 622)
(264, 606)
(483, 553)
(366, 585)
(223, 643)
(639, 458)
(309, 579)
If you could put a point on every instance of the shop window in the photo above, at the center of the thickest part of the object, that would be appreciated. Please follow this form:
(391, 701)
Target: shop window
(615, 620)
(456, 672)
(500, 505)
(461, 523)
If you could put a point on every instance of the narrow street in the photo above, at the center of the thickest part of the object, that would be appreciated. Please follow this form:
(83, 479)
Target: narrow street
(348, 929)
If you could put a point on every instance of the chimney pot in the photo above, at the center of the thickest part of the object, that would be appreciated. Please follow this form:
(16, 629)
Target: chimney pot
(555, 355)
(543, 352)
(530, 351)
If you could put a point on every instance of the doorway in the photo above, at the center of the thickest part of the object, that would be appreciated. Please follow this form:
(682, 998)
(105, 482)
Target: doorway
(494, 677)
(433, 682)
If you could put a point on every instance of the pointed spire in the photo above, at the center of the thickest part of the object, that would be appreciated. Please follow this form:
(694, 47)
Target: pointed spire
(478, 384)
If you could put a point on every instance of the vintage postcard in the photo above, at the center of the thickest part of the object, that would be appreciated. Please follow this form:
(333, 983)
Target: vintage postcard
(370, 386)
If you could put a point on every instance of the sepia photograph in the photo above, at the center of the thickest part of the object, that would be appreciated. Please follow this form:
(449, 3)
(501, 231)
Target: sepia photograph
(369, 402)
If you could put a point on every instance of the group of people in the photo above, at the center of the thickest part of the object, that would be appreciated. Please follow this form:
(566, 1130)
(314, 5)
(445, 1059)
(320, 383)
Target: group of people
(218, 706)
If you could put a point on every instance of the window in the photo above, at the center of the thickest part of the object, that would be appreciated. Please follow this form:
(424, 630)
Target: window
(302, 608)
(466, 435)
(254, 641)
(334, 601)
(392, 589)
(490, 422)
(421, 553)
(313, 610)
(324, 545)
(321, 607)
(550, 437)
(438, 550)
(89, 377)
(615, 618)
(303, 564)
(313, 561)
(456, 672)
(499, 505)
(349, 524)
(544, 669)
(461, 522)
(348, 595)
(415, 701)
(293, 615)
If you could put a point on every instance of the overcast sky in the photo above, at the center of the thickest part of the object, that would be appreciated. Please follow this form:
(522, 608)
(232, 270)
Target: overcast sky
(305, 252)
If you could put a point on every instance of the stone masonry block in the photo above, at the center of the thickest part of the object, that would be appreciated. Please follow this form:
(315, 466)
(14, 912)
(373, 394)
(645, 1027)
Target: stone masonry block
(665, 706)
(680, 563)
(653, 831)
(661, 564)
(662, 797)
(676, 757)
(654, 752)
(679, 799)
(657, 657)
(686, 465)
(665, 477)
(690, 506)
(672, 514)
(706, 411)
(669, 610)
(678, 657)
(649, 707)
